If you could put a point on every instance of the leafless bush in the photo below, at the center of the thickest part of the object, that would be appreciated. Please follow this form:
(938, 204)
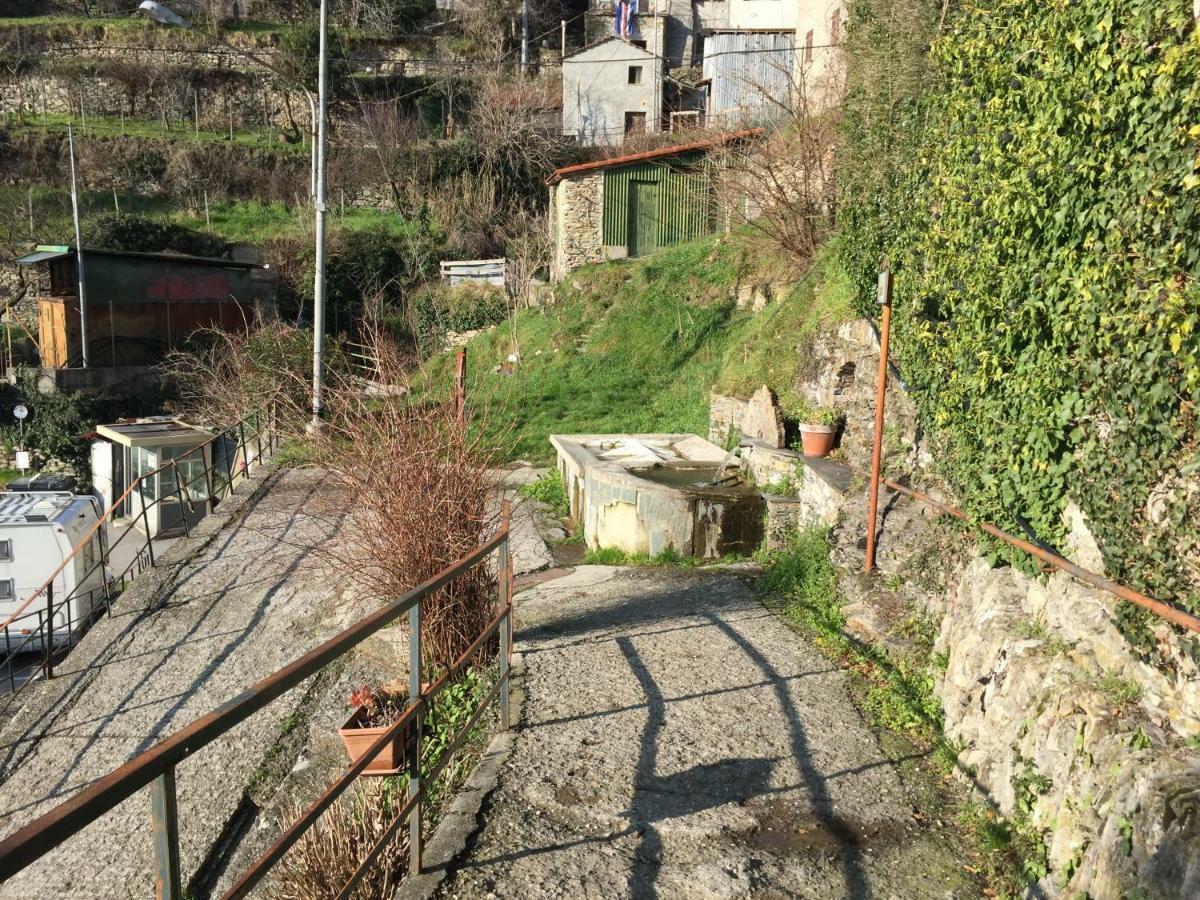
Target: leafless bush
(509, 124)
(328, 854)
(223, 376)
(782, 187)
(528, 247)
(417, 485)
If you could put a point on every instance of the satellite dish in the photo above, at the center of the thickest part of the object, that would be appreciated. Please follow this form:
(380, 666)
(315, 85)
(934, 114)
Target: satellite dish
(20, 411)
(162, 15)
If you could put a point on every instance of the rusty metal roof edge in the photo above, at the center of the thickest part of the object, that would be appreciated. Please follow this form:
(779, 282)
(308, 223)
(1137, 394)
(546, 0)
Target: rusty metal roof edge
(706, 144)
(42, 255)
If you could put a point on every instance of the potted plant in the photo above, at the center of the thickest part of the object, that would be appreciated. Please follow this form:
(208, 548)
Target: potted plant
(819, 430)
(373, 712)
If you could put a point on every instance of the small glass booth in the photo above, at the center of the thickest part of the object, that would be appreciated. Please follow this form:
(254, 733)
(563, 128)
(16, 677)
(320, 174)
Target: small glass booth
(160, 504)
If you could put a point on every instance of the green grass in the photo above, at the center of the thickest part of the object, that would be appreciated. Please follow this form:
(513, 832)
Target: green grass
(131, 22)
(233, 220)
(548, 489)
(615, 556)
(115, 126)
(634, 346)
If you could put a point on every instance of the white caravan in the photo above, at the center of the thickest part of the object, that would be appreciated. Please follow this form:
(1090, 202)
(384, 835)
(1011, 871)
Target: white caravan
(38, 530)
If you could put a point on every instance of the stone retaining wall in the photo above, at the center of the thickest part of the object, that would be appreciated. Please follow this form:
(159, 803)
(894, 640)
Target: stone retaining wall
(1062, 724)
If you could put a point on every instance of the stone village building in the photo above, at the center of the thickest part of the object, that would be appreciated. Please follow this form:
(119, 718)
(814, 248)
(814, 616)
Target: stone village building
(728, 63)
(632, 205)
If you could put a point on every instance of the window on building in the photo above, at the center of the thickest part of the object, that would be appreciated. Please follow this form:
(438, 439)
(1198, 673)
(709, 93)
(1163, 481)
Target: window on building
(635, 74)
(808, 47)
(835, 27)
(635, 122)
(639, 44)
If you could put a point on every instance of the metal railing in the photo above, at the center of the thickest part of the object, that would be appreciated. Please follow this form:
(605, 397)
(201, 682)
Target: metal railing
(156, 767)
(32, 626)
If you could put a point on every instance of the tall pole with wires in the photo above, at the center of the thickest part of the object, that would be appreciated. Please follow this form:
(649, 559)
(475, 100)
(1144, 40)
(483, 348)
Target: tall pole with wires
(319, 205)
(83, 323)
(524, 36)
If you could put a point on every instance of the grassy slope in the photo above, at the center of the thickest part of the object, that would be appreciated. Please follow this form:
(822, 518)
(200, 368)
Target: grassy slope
(637, 346)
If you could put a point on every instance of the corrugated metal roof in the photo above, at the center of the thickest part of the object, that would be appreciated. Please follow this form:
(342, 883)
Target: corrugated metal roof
(705, 144)
(39, 256)
(749, 70)
(43, 253)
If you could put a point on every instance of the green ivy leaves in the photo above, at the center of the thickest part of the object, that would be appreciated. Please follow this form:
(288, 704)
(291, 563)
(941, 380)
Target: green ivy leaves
(1038, 202)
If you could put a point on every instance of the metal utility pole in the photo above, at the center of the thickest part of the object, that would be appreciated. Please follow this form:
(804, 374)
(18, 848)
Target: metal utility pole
(884, 299)
(319, 206)
(656, 112)
(524, 36)
(83, 329)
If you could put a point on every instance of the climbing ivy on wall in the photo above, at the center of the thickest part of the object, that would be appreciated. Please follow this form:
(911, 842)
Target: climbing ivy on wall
(1042, 218)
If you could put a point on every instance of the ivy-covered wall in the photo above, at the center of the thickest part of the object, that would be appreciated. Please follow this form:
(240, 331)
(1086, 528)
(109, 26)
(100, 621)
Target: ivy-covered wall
(1031, 171)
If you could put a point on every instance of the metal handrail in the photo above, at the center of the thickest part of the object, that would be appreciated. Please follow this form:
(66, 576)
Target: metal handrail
(86, 539)
(1163, 610)
(156, 766)
(45, 627)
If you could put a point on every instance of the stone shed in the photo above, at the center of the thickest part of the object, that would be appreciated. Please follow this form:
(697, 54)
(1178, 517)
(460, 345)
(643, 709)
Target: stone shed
(635, 204)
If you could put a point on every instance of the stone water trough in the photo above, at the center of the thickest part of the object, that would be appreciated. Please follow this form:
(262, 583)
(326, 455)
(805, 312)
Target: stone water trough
(647, 493)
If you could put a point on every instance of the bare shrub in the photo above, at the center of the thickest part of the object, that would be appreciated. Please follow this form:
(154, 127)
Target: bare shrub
(417, 486)
(782, 187)
(224, 376)
(328, 854)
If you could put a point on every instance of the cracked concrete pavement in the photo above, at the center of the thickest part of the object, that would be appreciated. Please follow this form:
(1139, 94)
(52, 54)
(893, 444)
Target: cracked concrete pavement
(679, 740)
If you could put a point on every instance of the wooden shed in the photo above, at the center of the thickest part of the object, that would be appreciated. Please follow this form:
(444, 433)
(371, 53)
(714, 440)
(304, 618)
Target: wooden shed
(139, 305)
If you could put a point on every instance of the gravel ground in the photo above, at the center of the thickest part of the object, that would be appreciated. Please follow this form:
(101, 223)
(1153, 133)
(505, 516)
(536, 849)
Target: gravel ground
(252, 598)
(678, 740)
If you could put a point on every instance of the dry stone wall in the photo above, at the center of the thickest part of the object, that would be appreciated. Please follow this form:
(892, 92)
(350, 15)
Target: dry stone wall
(1062, 726)
(577, 223)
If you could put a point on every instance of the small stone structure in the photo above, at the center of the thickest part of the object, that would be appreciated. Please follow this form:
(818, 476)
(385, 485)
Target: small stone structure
(763, 419)
(650, 493)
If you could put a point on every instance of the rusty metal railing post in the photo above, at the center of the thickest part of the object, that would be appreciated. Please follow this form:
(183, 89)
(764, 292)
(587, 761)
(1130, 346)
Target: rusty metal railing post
(506, 608)
(164, 811)
(49, 638)
(183, 516)
(414, 745)
(460, 386)
(146, 521)
(884, 298)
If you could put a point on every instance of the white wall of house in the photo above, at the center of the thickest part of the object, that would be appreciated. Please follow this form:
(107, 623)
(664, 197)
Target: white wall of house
(605, 84)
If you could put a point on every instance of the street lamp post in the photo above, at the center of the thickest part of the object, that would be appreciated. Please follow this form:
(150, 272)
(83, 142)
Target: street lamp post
(319, 206)
(317, 184)
(83, 323)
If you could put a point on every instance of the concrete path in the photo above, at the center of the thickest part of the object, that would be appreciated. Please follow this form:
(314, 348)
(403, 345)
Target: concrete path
(250, 599)
(678, 740)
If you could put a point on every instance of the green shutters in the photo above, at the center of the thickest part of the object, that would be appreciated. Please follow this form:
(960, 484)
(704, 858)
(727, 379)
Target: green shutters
(656, 204)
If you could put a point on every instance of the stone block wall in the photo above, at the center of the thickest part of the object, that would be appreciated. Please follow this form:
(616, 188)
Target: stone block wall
(577, 223)
(724, 418)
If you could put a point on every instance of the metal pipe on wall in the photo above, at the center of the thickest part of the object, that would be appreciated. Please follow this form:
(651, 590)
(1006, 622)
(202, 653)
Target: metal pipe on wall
(884, 298)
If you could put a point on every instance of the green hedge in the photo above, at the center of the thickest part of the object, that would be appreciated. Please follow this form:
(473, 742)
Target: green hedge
(1036, 192)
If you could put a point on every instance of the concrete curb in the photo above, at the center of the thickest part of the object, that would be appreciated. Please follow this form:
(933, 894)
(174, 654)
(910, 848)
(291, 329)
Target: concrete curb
(461, 820)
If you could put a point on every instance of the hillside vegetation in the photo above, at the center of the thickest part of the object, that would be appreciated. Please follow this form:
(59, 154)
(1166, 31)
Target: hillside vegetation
(1032, 179)
(636, 346)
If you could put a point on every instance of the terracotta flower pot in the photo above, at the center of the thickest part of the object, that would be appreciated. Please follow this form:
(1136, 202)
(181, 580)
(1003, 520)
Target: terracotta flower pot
(817, 439)
(357, 738)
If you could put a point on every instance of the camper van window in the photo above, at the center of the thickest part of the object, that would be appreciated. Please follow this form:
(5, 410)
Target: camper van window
(6, 589)
(6, 551)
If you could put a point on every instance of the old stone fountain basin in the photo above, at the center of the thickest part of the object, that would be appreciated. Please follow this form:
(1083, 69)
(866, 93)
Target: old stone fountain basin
(647, 493)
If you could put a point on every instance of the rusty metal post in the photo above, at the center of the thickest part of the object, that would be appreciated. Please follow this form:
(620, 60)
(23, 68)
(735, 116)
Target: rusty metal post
(885, 300)
(49, 638)
(179, 497)
(165, 817)
(506, 608)
(460, 386)
(414, 747)
(146, 521)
